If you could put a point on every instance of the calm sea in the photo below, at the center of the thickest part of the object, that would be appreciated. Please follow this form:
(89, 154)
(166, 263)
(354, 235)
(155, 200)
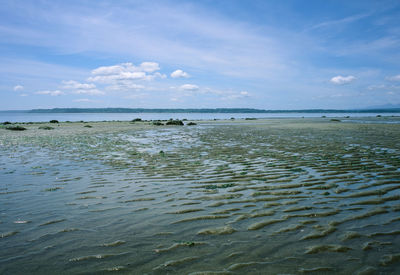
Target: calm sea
(43, 117)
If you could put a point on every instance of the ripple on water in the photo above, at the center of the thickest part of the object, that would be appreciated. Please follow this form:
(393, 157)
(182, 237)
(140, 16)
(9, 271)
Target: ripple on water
(256, 194)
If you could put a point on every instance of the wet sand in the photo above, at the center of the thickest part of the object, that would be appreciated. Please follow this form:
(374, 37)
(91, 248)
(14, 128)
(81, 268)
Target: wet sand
(265, 196)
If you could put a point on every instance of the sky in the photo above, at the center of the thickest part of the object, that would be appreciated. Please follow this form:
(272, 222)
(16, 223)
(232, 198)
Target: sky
(265, 54)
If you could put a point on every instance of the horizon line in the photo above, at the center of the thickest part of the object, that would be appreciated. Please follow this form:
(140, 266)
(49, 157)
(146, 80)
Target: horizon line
(198, 110)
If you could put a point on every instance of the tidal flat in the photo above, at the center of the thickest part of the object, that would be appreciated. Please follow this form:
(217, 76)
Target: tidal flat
(265, 196)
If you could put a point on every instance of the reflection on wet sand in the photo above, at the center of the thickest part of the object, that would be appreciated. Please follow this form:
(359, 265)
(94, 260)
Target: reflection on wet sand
(275, 195)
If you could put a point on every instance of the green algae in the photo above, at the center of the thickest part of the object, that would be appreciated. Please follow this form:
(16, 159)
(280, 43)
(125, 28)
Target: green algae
(113, 244)
(46, 128)
(15, 128)
(52, 222)
(176, 262)
(327, 248)
(277, 165)
(293, 227)
(211, 273)
(93, 257)
(200, 218)
(349, 235)
(324, 231)
(259, 225)
(51, 189)
(179, 245)
(217, 231)
(318, 269)
(184, 211)
(8, 234)
(367, 270)
(390, 259)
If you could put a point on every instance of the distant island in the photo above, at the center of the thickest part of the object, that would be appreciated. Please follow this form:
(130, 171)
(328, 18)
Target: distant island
(207, 110)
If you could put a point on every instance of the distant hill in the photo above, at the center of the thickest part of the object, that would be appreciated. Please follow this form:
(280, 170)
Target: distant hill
(205, 110)
(144, 110)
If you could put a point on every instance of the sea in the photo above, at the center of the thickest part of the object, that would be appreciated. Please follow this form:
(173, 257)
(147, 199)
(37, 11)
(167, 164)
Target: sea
(22, 116)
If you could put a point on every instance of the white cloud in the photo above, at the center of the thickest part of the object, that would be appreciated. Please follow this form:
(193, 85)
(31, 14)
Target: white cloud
(342, 21)
(89, 92)
(179, 73)
(149, 67)
(383, 87)
(189, 87)
(71, 84)
(157, 74)
(52, 93)
(394, 78)
(83, 100)
(341, 80)
(130, 75)
(108, 70)
(234, 95)
(18, 88)
(376, 87)
(81, 88)
(126, 71)
(137, 96)
(117, 77)
(125, 86)
(23, 95)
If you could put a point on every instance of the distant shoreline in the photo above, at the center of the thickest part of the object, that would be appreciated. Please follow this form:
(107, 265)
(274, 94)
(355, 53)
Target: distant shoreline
(201, 110)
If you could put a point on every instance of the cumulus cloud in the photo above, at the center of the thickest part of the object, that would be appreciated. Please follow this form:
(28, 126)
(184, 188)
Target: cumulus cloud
(18, 88)
(52, 93)
(188, 87)
(393, 78)
(341, 80)
(117, 77)
(149, 67)
(81, 88)
(179, 73)
(126, 71)
(109, 70)
(71, 84)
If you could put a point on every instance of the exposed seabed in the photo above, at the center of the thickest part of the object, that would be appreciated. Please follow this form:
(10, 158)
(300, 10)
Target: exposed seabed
(267, 196)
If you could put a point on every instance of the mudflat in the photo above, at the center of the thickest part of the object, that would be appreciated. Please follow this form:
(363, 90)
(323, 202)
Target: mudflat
(221, 197)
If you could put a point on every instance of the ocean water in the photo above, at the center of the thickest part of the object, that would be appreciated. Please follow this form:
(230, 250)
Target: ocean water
(45, 117)
(281, 196)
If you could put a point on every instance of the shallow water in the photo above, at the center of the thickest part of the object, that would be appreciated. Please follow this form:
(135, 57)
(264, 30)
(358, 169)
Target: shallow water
(24, 116)
(267, 196)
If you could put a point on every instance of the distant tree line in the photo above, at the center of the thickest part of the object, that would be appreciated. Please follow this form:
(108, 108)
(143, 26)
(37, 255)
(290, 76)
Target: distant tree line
(206, 110)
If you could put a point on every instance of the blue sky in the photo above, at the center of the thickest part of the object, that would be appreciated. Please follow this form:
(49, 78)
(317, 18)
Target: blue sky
(199, 54)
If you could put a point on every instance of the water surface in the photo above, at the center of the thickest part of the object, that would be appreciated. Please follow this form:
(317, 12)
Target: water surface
(14, 116)
(273, 196)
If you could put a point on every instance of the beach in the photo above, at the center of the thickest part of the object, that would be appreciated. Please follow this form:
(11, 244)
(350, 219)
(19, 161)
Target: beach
(281, 195)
